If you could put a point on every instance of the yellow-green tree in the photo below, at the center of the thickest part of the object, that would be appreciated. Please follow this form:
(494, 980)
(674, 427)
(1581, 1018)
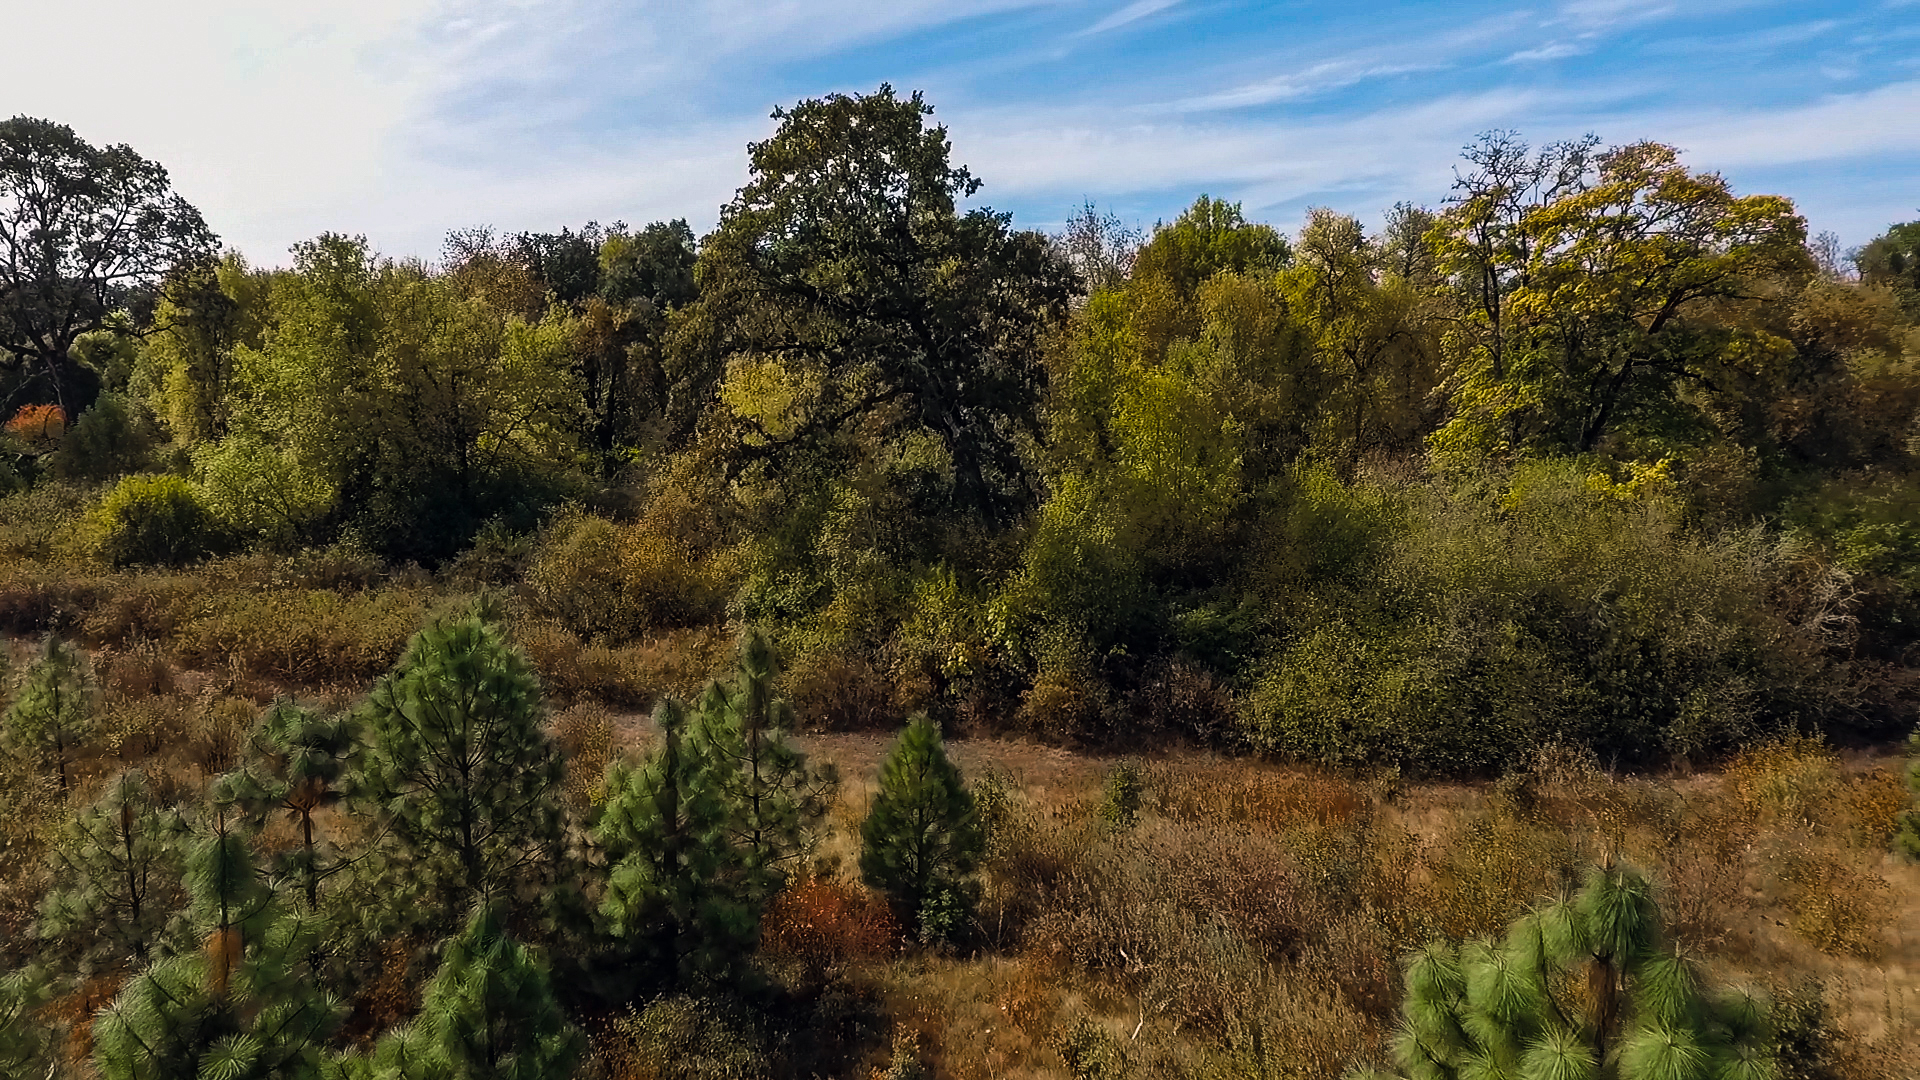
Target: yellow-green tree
(1593, 290)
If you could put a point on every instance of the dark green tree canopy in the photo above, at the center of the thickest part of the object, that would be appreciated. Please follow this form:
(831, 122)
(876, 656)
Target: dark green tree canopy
(83, 231)
(1208, 237)
(845, 268)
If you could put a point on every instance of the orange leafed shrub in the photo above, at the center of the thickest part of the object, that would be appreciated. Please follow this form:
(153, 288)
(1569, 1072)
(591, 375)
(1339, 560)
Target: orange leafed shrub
(823, 922)
(38, 423)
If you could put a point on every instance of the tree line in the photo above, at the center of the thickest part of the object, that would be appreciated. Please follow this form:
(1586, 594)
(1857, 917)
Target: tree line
(1595, 450)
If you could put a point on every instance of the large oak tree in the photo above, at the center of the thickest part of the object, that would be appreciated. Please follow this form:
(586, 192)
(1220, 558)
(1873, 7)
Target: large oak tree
(84, 231)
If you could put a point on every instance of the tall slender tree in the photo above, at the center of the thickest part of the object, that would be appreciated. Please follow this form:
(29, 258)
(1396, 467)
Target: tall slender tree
(297, 764)
(676, 891)
(777, 803)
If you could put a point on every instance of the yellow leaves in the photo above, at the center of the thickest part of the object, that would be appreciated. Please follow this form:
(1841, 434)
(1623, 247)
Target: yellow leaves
(764, 392)
(1642, 480)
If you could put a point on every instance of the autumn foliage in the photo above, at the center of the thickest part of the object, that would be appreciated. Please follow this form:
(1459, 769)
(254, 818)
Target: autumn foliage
(38, 425)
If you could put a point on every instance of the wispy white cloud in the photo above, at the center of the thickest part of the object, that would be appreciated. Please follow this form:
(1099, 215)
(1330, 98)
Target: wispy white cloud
(1318, 79)
(1553, 50)
(1133, 12)
(1880, 122)
(1602, 15)
(1758, 41)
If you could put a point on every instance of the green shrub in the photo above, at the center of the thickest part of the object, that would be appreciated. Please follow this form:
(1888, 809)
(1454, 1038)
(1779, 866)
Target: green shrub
(153, 520)
(1907, 840)
(1555, 611)
(113, 438)
(1120, 797)
(43, 522)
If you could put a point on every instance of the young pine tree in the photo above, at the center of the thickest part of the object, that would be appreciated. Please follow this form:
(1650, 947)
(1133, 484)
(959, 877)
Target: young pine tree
(296, 764)
(117, 879)
(922, 839)
(677, 889)
(460, 770)
(26, 1043)
(243, 1006)
(488, 1014)
(1580, 989)
(777, 802)
(52, 714)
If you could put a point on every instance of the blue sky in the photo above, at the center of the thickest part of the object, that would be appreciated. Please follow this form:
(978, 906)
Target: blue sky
(402, 119)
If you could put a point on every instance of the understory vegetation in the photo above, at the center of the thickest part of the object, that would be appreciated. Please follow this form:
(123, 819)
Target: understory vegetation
(875, 640)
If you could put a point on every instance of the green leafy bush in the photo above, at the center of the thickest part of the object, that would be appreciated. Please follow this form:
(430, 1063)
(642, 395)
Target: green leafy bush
(1552, 612)
(153, 520)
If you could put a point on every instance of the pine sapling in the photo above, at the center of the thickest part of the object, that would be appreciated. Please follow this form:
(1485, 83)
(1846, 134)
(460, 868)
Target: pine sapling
(460, 772)
(922, 839)
(297, 764)
(677, 887)
(1583, 988)
(244, 1005)
(777, 802)
(117, 878)
(52, 714)
(488, 1014)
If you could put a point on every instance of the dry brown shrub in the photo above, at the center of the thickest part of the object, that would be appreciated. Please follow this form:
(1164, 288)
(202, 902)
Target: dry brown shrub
(678, 662)
(30, 818)
(134, 729)
(1840, 906)
(390, 998)
(585, 735)
(304, 637)
(1188, 698)
(36, 599)
(1067, 704)
(835, 691)
(145, 607)
(141, 669)
(75, 1012)
(1872, 800)
(1490, 869)
(1294, 1029)
(217, 731)
(824, 923)
(575, 670)
(1273, 800)
(1791, 781)
(1702, 864)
